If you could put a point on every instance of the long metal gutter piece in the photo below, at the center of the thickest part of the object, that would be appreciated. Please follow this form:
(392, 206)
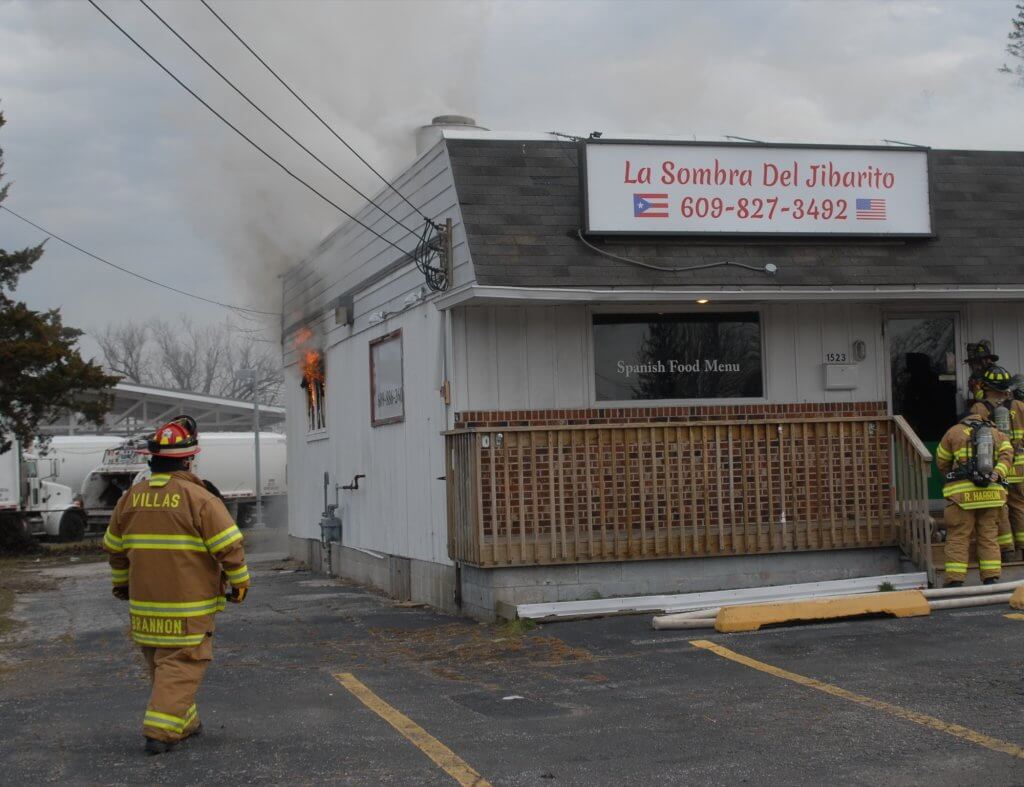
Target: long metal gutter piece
(684, 602)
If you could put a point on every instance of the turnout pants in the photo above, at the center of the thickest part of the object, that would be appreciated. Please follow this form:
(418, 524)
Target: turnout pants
(175, 674)
(1005, 537)
(960, 524)
(1015, 509)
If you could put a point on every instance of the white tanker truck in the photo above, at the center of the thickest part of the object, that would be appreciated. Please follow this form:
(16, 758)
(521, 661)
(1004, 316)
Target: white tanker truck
(226, 459)
(33, 501)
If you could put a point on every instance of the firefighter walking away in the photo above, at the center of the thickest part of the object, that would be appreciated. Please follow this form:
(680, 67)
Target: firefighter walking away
(976, 459)
(176, 556)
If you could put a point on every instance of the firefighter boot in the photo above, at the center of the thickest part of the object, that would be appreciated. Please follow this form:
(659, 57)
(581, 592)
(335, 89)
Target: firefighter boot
(953, 583)
(153, 746)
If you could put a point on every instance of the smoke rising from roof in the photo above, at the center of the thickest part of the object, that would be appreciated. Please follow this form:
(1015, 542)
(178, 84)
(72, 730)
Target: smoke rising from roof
(361, 66)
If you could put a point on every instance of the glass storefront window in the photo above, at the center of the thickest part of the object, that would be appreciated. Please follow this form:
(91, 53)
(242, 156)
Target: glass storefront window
(677, 356)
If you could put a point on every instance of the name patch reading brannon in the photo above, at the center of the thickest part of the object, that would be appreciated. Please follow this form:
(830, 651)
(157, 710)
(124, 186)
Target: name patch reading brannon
(155, 500)
(144, 625)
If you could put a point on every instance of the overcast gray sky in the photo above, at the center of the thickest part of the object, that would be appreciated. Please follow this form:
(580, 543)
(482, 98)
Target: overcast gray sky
(105, 149)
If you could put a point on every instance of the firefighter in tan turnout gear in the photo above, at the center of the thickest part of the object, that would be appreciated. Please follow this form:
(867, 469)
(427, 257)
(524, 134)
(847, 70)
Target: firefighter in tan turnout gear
(995, 403)
(976, 459)
(175, 557)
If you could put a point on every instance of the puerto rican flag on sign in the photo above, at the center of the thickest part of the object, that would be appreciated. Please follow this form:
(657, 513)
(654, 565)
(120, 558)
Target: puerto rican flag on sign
(650, 206)
(870, 209)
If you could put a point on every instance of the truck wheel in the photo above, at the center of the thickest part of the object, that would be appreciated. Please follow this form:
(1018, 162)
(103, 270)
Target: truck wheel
(72, 525)
(246, 514)
(14, 535)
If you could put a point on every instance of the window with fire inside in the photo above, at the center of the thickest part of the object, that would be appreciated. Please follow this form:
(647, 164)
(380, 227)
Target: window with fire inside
(314, 384)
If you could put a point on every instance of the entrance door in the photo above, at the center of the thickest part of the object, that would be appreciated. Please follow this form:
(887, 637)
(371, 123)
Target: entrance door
(923, 378)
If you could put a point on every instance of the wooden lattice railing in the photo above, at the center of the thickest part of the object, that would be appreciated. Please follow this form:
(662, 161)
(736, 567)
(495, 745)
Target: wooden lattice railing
(578, 494)
(912, 464)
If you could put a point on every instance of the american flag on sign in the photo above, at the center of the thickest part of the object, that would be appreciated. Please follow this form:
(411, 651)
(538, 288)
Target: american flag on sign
(650, 206)
(870, 210)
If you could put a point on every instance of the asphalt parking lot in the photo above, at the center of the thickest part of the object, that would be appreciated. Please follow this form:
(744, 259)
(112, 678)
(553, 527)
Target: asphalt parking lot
(315, 681)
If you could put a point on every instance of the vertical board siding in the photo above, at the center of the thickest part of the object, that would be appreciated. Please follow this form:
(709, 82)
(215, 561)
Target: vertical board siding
(539, 357)
(583, 494)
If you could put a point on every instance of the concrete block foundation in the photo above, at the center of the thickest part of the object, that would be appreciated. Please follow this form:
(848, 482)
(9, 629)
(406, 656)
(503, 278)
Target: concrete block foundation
(488, 593)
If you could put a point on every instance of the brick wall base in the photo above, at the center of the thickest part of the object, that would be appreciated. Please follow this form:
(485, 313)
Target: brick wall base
(674, 414)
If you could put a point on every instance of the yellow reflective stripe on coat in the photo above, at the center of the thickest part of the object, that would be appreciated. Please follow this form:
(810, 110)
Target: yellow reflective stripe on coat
(168, 609)
(112, 542)
(943, 453)
(159, 479)
(163, 541)
(238, 576)
(1019, 538)
(224, 538)
(157, 641)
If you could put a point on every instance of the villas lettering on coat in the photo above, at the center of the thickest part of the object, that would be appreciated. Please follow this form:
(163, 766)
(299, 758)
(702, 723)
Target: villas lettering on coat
(155, 500)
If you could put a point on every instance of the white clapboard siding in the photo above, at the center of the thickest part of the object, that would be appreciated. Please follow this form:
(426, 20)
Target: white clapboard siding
(352, 255)
(399, 507)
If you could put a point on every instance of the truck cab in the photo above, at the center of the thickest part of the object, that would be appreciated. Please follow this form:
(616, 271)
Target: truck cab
(34, 501)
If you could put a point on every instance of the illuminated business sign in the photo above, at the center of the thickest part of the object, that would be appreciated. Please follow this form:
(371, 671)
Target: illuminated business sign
(671, 189)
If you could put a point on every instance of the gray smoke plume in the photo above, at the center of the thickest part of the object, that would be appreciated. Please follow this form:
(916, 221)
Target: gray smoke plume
(374, 70)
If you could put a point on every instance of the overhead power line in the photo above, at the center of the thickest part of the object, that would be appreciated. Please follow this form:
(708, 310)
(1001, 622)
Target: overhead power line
(98, 258)
(316, 114)
(244, 136)
(276, 125)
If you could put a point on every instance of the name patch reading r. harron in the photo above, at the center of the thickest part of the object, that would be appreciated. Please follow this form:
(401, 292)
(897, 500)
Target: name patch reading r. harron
(982, 495)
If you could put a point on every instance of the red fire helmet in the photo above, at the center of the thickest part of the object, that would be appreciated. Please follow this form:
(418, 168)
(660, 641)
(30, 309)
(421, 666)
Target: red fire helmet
(177, 439)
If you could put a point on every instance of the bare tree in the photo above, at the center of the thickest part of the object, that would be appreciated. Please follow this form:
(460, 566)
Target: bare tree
(125, 351)
(187, 357)
(1015, 47)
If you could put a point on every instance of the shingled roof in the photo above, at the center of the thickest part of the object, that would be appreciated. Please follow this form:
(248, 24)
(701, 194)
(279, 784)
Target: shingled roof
(520, 202)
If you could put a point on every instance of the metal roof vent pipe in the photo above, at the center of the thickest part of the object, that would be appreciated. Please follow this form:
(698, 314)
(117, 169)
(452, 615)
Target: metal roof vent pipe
(427, 136)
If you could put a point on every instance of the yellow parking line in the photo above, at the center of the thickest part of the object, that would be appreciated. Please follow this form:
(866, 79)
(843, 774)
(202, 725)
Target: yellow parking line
(443, 757)
(924, 720)
(1014, 616)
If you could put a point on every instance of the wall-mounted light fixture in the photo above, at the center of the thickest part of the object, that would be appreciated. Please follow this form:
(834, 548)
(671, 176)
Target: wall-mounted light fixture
(702, 301)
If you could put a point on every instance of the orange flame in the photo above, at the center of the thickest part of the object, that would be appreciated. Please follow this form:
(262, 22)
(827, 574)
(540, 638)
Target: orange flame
(312, 366)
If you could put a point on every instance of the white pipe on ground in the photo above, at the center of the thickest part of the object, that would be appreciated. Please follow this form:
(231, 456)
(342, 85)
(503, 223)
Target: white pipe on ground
(976, 601)
(972, 590)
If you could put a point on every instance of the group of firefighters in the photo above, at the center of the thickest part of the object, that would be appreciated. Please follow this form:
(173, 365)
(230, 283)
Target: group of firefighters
(982, 461)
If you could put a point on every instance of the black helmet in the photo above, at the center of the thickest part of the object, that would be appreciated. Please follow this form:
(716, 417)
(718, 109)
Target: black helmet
(996, 378)
(980, 350)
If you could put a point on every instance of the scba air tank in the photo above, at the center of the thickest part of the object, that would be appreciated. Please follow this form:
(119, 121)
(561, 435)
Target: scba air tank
(984, 451)
(1001, 418)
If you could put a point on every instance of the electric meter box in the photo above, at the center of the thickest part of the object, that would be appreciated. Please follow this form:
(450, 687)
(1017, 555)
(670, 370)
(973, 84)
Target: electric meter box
(840, 377)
